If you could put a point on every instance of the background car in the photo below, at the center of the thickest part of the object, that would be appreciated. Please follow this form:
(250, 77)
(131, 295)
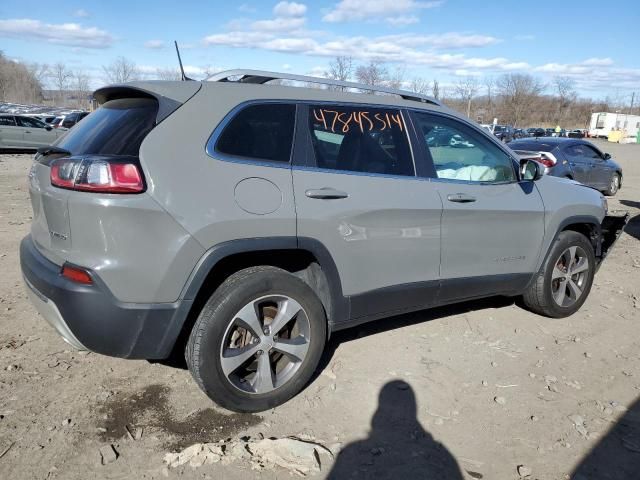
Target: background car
(503, 132)
(520, 133)
(573, 158)
(22, 132)
(578, 133)
(73, 118)
(536, 132)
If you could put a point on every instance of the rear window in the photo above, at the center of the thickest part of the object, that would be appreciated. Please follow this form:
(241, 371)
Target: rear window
(116, 128)
(531, 146)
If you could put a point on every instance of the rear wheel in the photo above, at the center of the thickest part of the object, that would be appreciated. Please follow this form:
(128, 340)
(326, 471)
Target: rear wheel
(614, 185)
(564, 282)
(258, 340)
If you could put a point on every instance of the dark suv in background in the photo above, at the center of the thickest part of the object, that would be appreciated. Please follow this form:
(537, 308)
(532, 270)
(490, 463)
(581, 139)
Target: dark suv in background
(504, 133)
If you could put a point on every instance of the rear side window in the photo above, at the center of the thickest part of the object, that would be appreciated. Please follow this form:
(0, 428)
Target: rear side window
(262, 132)
(360, 139)
(116, 128)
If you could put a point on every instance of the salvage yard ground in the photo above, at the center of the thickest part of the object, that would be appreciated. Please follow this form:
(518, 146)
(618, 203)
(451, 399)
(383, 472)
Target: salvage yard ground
(478, 390)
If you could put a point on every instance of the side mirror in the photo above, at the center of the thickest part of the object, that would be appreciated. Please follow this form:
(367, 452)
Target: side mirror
(48, 128)
(606, 156)
(531, 170)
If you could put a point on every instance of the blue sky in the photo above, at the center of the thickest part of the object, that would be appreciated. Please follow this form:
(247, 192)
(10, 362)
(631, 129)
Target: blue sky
(446, 40)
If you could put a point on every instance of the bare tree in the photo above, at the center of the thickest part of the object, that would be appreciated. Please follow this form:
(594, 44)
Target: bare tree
(40, 71)
(489, 85)
(121, 70)
(565, 88)
(168, 74)
(435, 89)
(396, 79)
(82, 89)
(518, 91)
(420, 85)
(467, 88)
(18, 83)
(61, 76)
(374, 73)
(341, 68)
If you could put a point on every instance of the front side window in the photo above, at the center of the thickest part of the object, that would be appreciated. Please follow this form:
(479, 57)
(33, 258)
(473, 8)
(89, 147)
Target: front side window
(460, 153)
(261, 132)
(30, 122)
(360, 139)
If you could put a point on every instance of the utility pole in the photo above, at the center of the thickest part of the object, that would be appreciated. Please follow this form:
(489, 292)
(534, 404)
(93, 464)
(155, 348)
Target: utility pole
(633, 97)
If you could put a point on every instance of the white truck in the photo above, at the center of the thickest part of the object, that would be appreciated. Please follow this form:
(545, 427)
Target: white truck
(603, 123)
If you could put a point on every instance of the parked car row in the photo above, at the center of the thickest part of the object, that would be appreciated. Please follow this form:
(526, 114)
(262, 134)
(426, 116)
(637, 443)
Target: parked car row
(32, 131)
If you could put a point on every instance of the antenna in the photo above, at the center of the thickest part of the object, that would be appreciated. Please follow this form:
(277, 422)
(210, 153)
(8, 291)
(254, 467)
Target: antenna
(184, 77)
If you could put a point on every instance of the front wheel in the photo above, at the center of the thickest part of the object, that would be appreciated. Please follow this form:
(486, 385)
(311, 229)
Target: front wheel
(564, 282)
(258, 340)
(614, 185)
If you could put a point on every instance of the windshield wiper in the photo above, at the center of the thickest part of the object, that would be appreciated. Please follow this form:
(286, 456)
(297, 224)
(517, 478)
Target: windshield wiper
(49, 149)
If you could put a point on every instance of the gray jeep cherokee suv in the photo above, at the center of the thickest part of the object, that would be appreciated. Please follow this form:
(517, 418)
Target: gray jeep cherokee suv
(243, 223)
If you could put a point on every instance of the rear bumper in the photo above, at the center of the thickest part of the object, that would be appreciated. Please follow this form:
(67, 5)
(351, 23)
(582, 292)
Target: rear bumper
(90, 317)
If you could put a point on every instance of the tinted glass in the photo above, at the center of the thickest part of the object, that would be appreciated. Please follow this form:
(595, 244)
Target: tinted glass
(461, 153)
(360, 139)
(116, 128)
(591, 152)
(7, 121)
(29, 122)
(263, 132)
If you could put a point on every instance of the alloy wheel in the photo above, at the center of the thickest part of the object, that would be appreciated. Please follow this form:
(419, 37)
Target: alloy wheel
(265, 344)
(569, 276)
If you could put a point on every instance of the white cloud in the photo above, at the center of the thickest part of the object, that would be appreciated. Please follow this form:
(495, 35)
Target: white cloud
(392, 11)
(154, 44)
(81, 13)
(245, 8)
(70, 34)
(598, 62)
(289, 9)
(279, 24)
(403, 20)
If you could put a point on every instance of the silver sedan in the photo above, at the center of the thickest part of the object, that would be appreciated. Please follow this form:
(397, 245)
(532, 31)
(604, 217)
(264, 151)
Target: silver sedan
(28, 133)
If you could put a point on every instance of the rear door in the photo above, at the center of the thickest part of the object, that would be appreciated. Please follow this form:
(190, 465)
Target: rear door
(492, 224)
(357, 192)
(11, 135)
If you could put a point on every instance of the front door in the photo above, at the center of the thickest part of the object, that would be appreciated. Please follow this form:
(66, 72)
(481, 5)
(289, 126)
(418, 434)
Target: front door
(492, 225)
(579, 162)
(35, 132)
(358, 194)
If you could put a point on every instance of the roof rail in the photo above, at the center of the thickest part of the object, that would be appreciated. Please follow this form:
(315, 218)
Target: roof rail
(260, 77)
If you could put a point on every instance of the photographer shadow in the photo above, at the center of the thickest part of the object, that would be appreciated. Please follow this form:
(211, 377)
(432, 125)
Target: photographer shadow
(397, 446)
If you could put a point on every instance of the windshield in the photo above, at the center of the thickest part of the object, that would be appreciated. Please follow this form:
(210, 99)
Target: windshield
(116, 128)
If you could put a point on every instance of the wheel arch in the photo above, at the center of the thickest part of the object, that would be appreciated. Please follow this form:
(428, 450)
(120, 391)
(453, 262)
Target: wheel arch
(587, 225)
(306, 258)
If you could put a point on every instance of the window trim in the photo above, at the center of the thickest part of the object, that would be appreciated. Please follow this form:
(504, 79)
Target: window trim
(213, 152)
(473, 127)
(310, 163)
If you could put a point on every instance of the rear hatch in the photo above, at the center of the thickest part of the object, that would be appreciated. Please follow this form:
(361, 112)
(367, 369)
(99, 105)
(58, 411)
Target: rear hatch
(111, 135)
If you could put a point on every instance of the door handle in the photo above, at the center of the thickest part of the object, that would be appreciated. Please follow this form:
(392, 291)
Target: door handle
(326, 193)
(461, 198)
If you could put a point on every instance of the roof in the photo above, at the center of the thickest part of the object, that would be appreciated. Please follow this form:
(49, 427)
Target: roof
(543, 143)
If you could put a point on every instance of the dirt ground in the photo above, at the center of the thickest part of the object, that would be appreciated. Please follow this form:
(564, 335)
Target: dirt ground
(478, 390)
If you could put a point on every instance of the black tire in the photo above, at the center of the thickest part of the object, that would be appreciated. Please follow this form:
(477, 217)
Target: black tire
(539, 295)
(203, 348)
(614, 185)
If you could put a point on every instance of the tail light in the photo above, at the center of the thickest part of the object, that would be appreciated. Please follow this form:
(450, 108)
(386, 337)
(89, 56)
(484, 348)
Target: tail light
(547, 159)
(100, 175)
